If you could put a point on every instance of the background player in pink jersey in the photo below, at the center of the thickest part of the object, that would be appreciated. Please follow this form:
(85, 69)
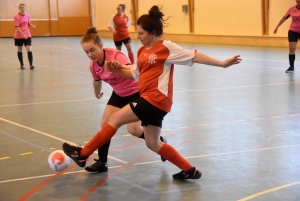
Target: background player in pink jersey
(119, 26)
(22, 35)
(154, 71)
(293, 34)
(124, 90)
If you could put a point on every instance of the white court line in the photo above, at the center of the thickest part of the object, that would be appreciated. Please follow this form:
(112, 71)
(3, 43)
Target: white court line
(53, 137)
(49, 175)
(43, 66)
(249, 86)
(227, 153)
(257, 59)
(39, 103)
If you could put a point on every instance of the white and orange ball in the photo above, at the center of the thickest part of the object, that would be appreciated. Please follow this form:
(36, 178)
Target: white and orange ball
(58, 160)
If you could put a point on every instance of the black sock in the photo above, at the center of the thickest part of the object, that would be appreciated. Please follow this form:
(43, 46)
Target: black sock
(20, 57)
(292, 59)
(103, 152)
(142, 136)
(30, 58)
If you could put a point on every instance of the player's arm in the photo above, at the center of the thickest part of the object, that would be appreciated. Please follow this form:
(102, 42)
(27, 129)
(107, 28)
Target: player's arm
(122, 70)
(204, 59)
(19, 30)
(280, 23)
(111, 26)
(97, 88)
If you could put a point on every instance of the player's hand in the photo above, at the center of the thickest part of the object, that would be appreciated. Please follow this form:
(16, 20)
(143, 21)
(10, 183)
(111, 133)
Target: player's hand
(99, 96)
(232, 61)
(113, 66)
(114, 32)
(25, 37)
(275, 31)
(33, 26)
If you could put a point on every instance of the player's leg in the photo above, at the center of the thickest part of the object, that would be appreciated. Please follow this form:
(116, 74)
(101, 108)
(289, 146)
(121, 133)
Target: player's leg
(293, 38)
(127, 43)
(19, 45)
(29, 52)
(116, 120)
(101, 163)
(118, 45)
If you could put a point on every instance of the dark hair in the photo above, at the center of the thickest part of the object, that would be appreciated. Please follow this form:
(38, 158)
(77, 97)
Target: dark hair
(122, 6)
(91, 34)
(153, 21)
(22, 5)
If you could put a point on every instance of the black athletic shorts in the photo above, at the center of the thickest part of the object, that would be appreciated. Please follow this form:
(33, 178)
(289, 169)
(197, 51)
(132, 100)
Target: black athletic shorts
(23, 41)
(119, 101)
(126, 40)
(293, 36)
(147, 113)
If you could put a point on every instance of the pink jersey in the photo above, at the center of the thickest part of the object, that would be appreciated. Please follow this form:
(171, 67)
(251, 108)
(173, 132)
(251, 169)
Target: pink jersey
(294, 12)
(22, 21)
(121, 86)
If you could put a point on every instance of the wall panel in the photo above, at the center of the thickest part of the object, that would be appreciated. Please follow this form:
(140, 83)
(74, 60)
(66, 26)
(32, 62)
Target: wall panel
(234, 17)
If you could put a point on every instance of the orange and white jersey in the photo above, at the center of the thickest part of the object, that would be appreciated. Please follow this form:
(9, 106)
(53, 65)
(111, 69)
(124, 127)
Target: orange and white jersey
(120, 24)
(153, 70)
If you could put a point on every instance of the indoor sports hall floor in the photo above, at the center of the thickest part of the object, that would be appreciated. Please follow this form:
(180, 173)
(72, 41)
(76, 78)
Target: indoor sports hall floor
(240, 126)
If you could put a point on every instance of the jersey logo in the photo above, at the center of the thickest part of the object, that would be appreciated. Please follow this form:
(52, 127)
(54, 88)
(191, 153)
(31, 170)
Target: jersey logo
(134, 104)
(152, 59)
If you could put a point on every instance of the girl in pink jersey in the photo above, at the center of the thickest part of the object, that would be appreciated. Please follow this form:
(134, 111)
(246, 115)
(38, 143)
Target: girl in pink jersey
(293, 34)
(153, 70)
(124, 90)
(22, 35)
(118, 25)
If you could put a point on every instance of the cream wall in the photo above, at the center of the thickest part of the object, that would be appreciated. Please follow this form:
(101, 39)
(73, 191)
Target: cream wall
(178, 21)
(278, 9)
(234, 17)
(104, 11)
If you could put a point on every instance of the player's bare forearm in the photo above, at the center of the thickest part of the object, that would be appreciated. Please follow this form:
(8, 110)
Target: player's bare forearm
(122, 70)
(204, 59)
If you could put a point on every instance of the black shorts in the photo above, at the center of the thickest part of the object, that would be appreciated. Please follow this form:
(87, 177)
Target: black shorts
(23, 41)
(293, 36)
(148, 113)
(126, 40)
(119, 101)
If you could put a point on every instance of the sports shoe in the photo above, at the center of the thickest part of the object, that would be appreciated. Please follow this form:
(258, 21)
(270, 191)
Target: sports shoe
(74, 153)
(192, 173)
(31, 67)
(99, 166)
(22, 67)
(164, 140)
(290, 69)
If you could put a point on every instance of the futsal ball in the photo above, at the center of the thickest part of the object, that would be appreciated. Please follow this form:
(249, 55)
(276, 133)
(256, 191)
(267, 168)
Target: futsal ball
(58, 160)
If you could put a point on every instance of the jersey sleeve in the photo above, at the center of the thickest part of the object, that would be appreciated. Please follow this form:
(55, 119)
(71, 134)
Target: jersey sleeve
(178, 55)
(120, 57)
(135, 71)
(16, 21)
(92, 69)
(288, 13)
(111, 23)
(128, 21)
(29, 22)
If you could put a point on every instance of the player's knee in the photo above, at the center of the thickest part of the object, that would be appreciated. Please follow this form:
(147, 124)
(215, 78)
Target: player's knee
(152, 144)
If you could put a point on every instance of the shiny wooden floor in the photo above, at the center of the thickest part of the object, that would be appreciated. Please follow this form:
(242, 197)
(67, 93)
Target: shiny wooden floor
(240, 126)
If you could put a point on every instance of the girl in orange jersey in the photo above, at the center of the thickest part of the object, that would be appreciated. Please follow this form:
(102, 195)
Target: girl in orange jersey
(154, 72)
(119, 26)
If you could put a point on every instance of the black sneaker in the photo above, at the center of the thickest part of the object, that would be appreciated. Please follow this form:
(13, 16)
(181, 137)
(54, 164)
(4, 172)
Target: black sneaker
(31, 67)
(99, 166)
(290, 69)
(22, 67)
(164, 140)
(74, 153)
(192, 173)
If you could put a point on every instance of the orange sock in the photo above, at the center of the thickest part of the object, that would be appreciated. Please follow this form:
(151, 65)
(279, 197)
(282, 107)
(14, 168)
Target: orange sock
(131, 57)
(103, 136)
(174, 157)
